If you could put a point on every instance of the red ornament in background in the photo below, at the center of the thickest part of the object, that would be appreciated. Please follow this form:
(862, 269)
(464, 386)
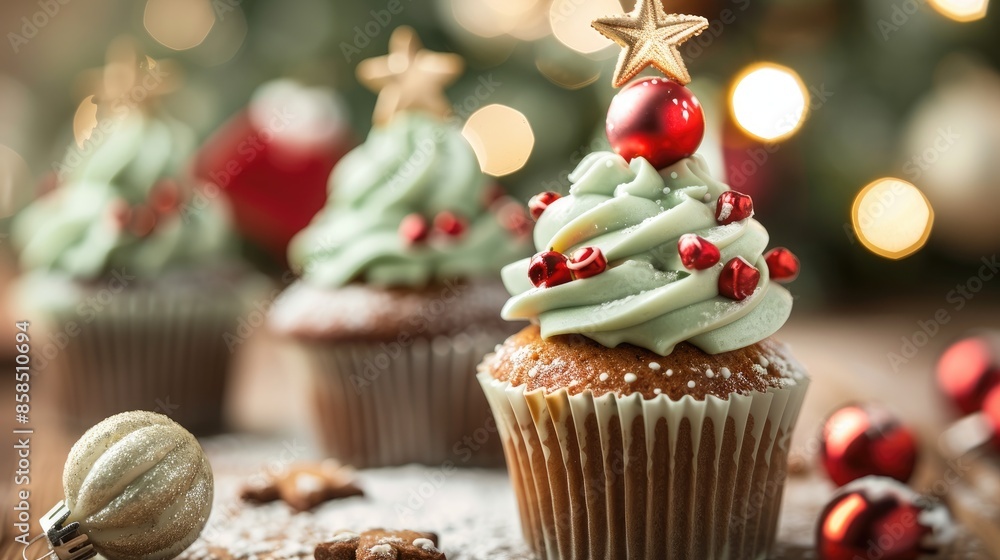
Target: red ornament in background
(165, 197)
(697, 253)
(450, 224)
(657, 119)
(143, 220)
(991, 412)
(866, 439)
(548, 269)
(732, 207)
(880, 518)
(782, 265)
(968, 370)
(414, 229)
(587, 262)
(273, 160)
(738, 279)
(540, 202)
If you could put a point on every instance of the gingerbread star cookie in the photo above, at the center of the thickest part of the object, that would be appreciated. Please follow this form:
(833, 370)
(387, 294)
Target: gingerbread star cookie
(305, 486)
(379, 544)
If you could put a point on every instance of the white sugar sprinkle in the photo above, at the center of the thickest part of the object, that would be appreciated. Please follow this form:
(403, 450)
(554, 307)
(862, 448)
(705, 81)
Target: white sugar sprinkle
(666, 190)
(725, 211)
(670, 372)
(425, 544)
(630, 378)
(673, 174)
(763, 361)
(709, 373)
(707, 197)
(344, 537)
(725, 373)
(654, 366)
(603, 377)
(657, 391)
(691, 384)
(381, 549)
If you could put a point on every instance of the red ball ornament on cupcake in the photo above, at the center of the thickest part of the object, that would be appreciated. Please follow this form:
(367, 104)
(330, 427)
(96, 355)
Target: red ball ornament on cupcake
(548, 269)
(540, 202)
(696, 252)
(587, 262)
(738, 279)
(877, 517)
(866, 439)
(656, 119)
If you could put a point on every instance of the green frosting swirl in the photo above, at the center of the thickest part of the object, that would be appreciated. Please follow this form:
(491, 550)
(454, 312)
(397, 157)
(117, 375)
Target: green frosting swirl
(646, 297)
(69, 230)
(415, 164)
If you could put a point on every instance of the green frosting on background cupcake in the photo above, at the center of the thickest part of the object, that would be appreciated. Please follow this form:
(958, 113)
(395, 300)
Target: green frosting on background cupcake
(73, 229)
(646, 297)
(415, 165)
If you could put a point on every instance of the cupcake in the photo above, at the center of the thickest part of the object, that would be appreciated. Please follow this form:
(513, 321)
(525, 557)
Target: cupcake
(647, 412)
(131, 275)
(399, 294)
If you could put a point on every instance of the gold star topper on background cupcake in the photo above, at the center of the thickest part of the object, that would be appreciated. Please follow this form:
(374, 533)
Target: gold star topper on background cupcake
(410, 77)
(650, 36)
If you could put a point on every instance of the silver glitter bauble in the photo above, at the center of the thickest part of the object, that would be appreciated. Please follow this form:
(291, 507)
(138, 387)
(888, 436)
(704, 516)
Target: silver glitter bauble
(140, 486)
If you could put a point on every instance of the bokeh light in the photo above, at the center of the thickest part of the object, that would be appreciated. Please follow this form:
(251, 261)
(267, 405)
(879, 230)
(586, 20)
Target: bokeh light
(769, 101)
(962, 10)
(501, 137)
(571, 19)
(892, 218)
(524, 19)
(178, 24)
(84, 120)
(15, 182)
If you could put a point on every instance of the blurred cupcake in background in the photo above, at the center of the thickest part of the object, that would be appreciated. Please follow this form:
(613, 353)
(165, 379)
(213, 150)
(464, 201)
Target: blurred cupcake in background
(400, 279)
(131, 271)
(273, 160)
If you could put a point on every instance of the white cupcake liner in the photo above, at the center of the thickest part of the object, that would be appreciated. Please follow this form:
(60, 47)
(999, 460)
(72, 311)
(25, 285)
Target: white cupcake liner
(420, 404)
(145, 350)
(689, 479)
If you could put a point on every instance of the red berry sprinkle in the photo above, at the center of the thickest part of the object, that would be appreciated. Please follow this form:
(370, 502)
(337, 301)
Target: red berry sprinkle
(513, 217)
(414, 229)
(540, 202)
(165, 197)
(450, 223)
(738, 279)
(782, 264)
(587, 262)
(732, 207)
(697, 253)
(548, 269)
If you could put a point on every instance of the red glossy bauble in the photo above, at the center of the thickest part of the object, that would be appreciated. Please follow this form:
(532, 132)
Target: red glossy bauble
(548, 269)
(738, 279)
(450, 224)
(877, 517)
(968, 370)
(697, 253)
(587, 262)
(866, 439)
(657, 119)
(782, 265)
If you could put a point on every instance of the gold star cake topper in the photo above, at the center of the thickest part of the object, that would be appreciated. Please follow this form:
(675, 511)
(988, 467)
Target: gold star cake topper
(650, 37)
(410, 77)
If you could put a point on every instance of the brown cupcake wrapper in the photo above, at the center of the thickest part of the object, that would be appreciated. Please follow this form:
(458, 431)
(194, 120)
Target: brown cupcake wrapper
(621, 478)
(145, 350)
(385, 404)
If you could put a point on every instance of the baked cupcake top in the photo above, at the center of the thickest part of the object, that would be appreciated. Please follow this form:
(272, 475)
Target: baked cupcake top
(578, 364)
(650, 258)
(121, 204)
